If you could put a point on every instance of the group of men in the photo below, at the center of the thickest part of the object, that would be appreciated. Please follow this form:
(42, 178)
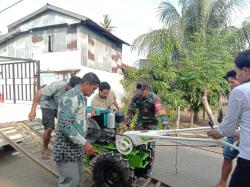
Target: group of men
(68, 102)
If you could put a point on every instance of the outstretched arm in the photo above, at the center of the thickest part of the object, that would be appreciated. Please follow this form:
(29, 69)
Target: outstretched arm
(35, 102)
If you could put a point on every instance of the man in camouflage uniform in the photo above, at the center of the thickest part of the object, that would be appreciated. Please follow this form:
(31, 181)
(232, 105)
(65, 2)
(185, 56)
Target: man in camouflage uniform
(150, 113)
(150, 108)
(70, 143)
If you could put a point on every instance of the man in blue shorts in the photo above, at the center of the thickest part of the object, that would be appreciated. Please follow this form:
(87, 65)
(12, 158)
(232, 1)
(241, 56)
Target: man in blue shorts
(229, 154)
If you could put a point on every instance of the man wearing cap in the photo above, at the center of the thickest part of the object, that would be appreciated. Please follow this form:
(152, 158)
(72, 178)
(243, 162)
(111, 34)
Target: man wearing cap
(150, 107)
(150, 113)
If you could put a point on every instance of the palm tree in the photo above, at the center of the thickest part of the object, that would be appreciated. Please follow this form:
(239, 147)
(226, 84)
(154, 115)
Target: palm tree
(107, 23)
(195, 16)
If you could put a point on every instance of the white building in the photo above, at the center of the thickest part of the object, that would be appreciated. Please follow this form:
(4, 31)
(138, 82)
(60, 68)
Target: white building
(66, 44)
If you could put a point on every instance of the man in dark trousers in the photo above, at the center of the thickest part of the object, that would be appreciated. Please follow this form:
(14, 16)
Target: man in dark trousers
(49, 97)
(228, 153)
(238, 115)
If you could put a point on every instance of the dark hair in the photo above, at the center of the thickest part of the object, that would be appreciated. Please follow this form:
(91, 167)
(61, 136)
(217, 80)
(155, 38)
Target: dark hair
(91, 78)
(231, 73)
(243, 59)
(141, 85)
(74, 80)
(104, 86)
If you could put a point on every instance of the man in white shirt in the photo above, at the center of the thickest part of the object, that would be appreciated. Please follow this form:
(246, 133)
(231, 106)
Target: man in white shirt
(238, 114)
(228, 153)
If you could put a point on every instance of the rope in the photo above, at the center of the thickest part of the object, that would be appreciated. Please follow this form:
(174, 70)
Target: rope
(176, 159)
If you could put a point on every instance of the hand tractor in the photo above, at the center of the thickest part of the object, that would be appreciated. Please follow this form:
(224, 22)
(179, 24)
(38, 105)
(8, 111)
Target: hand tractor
(120, 159)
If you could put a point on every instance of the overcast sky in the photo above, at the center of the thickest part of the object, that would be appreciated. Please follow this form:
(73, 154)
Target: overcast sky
(131, 17)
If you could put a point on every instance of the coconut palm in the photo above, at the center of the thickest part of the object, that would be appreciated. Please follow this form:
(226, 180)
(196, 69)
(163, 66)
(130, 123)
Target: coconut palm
(107, 23)
(195, 16)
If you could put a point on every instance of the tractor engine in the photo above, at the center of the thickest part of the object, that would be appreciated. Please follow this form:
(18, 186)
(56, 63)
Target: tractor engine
(102, 127)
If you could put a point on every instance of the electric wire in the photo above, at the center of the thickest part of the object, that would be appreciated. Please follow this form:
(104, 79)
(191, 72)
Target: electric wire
(10, 6)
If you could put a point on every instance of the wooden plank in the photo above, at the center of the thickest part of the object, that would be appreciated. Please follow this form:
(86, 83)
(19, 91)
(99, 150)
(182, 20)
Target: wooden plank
(147, 182)
(26, 153)
(158, 184)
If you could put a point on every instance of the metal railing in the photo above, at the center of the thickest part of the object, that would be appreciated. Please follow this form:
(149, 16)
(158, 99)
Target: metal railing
(19, 79)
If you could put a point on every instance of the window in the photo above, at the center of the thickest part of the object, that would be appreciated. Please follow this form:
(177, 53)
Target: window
(50, 43)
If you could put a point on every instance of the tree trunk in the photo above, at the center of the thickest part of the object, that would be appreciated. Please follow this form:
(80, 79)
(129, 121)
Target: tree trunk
(220, 110)
(196, 117)
(203, 113)
(178, 117)
(207, 107)
(192, 119)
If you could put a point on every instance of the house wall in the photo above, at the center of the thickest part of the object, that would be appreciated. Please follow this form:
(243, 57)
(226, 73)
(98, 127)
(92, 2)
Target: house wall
(65, 60)
(52, 31)
(3, 49)
(113, 79)
(99, 52)
(67, 47)
(54, 39)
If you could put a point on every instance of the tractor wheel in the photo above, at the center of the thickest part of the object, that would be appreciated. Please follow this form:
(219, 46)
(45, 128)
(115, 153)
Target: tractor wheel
(112, 171)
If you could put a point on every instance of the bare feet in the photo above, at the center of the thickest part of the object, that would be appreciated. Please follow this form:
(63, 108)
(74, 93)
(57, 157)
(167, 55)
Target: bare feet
(46, 155)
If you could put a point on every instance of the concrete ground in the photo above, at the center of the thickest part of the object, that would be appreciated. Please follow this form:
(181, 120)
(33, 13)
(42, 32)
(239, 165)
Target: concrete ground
(195, 168)
(176, 166)
(19, 171)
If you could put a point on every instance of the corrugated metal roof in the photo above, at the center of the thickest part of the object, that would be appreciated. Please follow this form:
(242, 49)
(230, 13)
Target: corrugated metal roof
(85, 20)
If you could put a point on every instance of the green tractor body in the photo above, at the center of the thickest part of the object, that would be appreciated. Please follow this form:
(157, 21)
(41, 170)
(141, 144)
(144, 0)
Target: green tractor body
(108, 165)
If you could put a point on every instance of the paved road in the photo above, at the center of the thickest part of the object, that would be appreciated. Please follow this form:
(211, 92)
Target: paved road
(196, 168)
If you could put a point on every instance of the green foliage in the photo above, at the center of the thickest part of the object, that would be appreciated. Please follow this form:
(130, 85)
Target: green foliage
(160, 73)
(129, 82)
(182, 82)
(202, 16)
(203, 67)
(191, 54)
